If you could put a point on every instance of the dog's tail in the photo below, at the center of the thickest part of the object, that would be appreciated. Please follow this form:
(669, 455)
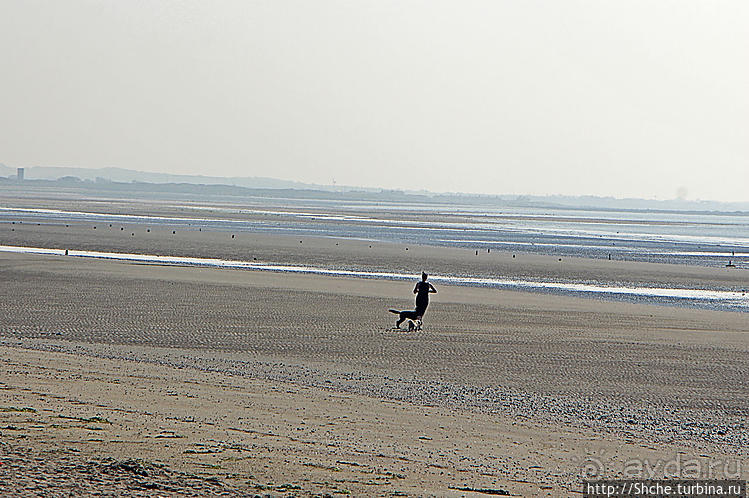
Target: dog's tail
(394, 311)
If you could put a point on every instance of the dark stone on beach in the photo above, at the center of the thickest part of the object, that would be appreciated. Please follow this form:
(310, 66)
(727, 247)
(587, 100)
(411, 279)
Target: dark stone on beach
(130, 466)
(483, 491)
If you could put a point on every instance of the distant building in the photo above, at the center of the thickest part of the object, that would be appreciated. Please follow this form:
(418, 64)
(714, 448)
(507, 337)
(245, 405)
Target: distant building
(19, 174)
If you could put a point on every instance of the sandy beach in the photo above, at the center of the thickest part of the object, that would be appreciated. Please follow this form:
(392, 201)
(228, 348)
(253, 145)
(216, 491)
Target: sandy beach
(135, 378)
(188, 239)
(374, 249)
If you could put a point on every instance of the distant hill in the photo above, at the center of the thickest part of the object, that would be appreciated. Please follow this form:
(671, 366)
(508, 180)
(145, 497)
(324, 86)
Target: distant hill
(129, 175)
(120, 179)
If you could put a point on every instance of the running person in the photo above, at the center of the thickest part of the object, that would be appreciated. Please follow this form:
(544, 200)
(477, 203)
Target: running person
(422, 291)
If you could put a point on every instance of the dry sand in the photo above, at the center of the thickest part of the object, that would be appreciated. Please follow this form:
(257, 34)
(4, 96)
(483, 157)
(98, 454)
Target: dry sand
(227, 381)
(129, 426)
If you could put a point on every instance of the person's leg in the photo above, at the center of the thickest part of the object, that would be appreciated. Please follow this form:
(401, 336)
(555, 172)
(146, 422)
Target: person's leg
(421, 309)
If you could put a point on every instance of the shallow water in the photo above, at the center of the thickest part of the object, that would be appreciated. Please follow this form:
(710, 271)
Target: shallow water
(710, 239)
(734, 300)
(704, 239)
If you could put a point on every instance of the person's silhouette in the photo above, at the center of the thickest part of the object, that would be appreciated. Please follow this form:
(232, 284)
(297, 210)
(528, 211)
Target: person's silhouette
(422, 291)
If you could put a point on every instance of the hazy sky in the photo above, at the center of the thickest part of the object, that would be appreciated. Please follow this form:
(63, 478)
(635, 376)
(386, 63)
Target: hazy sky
(622, 98)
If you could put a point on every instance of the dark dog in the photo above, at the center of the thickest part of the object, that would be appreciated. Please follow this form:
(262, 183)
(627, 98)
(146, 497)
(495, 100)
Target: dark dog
(413, 317)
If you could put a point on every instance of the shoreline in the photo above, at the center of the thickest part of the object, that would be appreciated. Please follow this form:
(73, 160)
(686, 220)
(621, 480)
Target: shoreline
(716, 299)
(425, 228)
(568, 274)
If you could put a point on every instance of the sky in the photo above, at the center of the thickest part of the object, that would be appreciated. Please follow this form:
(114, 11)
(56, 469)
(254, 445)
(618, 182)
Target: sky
(630, 98)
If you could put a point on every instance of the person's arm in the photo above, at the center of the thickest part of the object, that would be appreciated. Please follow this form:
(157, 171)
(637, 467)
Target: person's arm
(416, 288)
(432, 290)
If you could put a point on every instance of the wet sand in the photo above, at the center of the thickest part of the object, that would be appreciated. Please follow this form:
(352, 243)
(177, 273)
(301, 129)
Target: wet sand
(255, 382)
(192, 241)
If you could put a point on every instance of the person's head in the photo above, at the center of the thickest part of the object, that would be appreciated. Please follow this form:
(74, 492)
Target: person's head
(424, 276)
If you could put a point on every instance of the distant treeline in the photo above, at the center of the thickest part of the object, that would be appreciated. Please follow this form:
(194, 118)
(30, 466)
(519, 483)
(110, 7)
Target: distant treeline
(102, 185)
